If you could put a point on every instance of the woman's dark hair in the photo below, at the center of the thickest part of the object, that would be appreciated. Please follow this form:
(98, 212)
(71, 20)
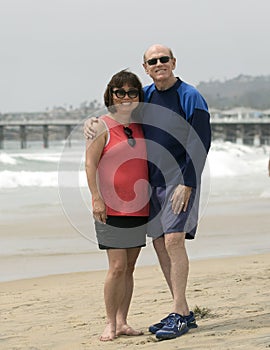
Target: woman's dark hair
(117, 81)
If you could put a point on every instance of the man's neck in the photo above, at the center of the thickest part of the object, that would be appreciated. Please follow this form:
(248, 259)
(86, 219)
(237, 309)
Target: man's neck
(165, 84)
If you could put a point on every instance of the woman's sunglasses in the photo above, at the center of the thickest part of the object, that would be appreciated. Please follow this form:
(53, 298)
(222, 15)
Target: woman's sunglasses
(163, 59)
(128, 132)
(121, 93)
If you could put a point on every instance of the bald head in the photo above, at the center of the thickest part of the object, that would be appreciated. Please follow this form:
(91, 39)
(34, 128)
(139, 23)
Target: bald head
(155, 48)
(159, 63)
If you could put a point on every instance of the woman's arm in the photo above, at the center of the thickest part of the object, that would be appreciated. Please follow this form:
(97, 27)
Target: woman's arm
(94, 150)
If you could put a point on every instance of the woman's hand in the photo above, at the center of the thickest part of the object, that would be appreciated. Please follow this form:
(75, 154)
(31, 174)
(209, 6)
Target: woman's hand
(99, 210)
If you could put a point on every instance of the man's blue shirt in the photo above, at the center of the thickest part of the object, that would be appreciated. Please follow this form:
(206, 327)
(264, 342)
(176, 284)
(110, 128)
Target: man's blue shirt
(177, 131)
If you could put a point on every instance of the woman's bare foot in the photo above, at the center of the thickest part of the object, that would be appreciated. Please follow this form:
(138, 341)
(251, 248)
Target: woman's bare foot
(108, 333)
(127, 330)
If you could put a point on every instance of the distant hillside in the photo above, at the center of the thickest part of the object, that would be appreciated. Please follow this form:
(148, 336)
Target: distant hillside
(244, 90)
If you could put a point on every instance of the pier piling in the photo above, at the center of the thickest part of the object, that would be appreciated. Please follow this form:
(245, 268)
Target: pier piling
(249, 131)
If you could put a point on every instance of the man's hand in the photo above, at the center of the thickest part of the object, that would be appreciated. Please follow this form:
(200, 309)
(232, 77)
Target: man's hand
(88, 130)
(180, 198)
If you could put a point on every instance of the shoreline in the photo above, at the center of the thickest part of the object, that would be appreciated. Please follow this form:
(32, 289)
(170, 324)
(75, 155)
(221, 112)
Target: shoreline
(66, 311)
(154, 265)
(147, 259)
(49, 245)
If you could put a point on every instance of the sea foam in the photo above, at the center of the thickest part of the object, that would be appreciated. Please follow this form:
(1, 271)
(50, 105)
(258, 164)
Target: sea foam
(19, 169)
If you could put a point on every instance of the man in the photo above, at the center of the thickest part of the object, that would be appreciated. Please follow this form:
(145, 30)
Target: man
(178, 135)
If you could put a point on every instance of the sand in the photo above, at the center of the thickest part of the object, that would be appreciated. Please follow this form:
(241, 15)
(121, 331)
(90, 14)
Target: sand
(67, 311)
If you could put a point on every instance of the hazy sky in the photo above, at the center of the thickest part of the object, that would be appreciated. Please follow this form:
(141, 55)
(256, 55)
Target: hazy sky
(63, 52)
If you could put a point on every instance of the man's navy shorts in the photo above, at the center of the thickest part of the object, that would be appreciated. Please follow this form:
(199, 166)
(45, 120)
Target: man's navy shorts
(162, 219)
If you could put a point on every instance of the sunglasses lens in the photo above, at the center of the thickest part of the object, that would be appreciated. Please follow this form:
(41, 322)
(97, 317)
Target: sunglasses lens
(133, 93)
(164, 59)
(121, 93)
(128, 132)
(132, 142)
(152, 61)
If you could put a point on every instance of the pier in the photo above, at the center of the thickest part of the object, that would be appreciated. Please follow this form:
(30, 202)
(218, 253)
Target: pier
(22, 129)
(247, 131)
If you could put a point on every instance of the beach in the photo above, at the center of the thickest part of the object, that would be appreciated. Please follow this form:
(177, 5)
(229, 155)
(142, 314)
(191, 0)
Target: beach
(228, 286)
(67, 312)
(52, 273)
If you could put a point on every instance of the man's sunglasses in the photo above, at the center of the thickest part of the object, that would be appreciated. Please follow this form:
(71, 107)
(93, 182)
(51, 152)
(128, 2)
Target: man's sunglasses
(128, 132)
(121, 93)
(163, 59)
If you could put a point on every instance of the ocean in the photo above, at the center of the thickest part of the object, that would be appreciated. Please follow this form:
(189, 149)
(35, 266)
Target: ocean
(46, 226)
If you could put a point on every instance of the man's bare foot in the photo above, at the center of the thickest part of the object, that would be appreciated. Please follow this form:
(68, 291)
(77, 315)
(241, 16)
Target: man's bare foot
(108, 333)
(127, 330)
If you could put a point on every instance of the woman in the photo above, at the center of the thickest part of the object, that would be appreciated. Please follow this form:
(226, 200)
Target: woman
(117, 175)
